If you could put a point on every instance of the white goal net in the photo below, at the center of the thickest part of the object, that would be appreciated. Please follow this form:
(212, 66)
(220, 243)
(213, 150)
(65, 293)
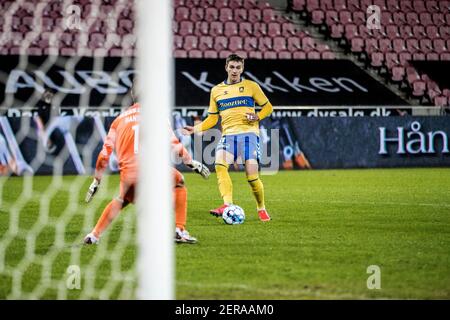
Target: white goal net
(66, 72)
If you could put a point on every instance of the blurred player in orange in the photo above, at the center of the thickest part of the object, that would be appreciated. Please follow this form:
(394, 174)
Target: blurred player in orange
(122, 137)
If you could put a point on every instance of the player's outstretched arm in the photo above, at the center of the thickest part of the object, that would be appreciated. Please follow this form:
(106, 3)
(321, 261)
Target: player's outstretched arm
(210, 121)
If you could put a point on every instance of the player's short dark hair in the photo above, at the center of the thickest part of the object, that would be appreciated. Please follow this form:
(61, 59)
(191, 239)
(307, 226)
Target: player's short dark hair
(234, 57)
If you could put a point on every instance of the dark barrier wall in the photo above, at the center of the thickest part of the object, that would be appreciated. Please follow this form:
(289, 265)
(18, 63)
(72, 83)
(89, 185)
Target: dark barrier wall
(287, 82)
(86, 82)
(70, 145)
(83, 82)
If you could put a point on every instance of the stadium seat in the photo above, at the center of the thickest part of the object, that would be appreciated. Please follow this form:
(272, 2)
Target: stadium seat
(391, 59)
(432, 56)
(178, 3)
(206, 43)
(195, 54)
(250, 44)
(444, 56)
(186, 28)
(231, 29)
(236, 4)
(221, 3)
(240, 15)
(285, 55)
(274, 29)
(216, 28)
(339, 5)
(220, 43)
(406, 6)
(418, 88)
(371, 45)
(193, 3)
(211, 54)
(269, 55)
(432, 6)
(260, 29)
(312, 5)
(236, 43)
(224, 54)
(393, 5)
(255, 55)
(337, 31)
(318, 17)
(412, 45)
(331, 17)
(398, 74)
(392, 31)
(245, 29)
(432, 32)
(265, 44)
(254, 15)
(399, 45)
(404, 57)
(268, 15)
(225, 14)
(300, 55)
(411, 75)
(175, 27)
(345, 17)
(211, 14)
(357, 45)
(439, 45)
(201, 28)
(288, 29)
(419, 32)
(399, 18)
(279, 44)
(351, 31)
(197, 14)
(180, 54)
(441, 101)
(249, 4)
(298, 5)
(385, 45)
(328, 55)
(294, 44)
(308, 44)
(425, 45)
(190, 43)
(376, 59)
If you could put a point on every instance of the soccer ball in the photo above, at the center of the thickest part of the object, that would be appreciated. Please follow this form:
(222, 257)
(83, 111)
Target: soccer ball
(233, 214)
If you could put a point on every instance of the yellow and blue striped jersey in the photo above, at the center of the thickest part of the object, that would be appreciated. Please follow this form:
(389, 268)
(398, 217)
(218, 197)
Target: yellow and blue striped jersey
(233, 101)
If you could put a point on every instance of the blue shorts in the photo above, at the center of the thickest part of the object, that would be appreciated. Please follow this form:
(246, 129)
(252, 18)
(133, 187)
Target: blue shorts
(243, 145)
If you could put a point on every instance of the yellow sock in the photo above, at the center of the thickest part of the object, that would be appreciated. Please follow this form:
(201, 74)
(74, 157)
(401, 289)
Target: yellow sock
(224, 181)
(257, 189)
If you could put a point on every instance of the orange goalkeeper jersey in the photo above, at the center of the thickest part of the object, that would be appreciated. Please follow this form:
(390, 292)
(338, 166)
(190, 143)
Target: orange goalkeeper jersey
(122, 137)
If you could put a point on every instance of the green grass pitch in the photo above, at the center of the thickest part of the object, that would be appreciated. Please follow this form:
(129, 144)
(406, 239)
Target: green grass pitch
(328, 227)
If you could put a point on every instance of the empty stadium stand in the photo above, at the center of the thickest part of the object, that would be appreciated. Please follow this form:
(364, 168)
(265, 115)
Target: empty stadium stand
(410, 30)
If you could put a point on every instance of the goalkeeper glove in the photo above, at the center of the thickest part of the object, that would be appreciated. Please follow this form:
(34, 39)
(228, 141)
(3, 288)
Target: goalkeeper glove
(200, 168)
(92, 190)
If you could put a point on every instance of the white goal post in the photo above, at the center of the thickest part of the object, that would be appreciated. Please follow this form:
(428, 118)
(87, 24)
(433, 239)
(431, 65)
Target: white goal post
(155, 84)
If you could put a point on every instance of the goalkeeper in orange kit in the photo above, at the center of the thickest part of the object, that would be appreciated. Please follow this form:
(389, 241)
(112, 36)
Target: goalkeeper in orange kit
(122, 138)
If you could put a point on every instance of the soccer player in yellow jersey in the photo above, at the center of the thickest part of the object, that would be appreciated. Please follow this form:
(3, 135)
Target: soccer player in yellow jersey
(234, 101)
